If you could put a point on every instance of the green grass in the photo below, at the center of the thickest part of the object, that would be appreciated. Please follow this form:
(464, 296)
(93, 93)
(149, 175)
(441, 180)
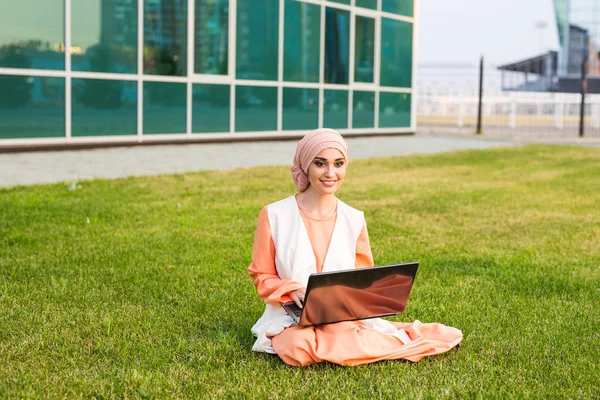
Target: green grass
(150, 298)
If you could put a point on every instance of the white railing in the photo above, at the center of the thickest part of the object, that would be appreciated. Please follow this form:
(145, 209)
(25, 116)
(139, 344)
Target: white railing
(511, 109)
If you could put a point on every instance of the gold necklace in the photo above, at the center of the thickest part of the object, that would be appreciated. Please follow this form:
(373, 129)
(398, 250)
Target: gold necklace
(322, 217)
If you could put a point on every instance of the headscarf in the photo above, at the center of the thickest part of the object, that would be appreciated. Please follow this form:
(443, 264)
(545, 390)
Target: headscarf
(307, 149)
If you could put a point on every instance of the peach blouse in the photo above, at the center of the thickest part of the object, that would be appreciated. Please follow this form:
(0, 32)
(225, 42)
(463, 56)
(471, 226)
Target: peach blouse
(270, 287)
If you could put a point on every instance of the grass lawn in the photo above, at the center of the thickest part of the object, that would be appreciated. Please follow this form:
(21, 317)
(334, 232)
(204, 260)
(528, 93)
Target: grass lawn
(137, 288)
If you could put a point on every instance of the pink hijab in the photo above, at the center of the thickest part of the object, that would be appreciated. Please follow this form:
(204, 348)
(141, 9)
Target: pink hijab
(307, 149)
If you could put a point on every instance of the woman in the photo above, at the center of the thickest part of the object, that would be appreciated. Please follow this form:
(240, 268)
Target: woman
(312, 231)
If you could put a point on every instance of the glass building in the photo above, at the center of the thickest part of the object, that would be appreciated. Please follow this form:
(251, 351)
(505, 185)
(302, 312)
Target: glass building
(578, 27)
(100, 71)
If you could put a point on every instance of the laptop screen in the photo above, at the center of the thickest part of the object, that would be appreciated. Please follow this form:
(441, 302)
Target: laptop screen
(358, 293)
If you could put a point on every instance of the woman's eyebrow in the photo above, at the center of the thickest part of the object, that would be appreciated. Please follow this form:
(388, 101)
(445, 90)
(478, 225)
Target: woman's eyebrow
(324, 159)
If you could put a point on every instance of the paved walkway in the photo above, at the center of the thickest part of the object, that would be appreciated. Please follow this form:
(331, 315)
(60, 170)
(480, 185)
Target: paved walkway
(70, 166)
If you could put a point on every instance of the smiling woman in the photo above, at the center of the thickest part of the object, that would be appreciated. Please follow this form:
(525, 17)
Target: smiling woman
(293, 240)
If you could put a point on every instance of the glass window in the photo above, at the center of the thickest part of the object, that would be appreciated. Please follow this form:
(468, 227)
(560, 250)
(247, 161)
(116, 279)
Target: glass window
(335, 109)
(364, 49)
(363, 109)
(300, 108)
(102, 107)
(257, 39)
(165, 37)
(394, 110)
(337, 45)
(211, 33)
(372, 4)
(402, 7)
(164, 107)
(31, 107)
(255, 108)
(301, 42)
(341, 1)
(210, 108)
(32, 34)
(104, 36)
(396, 53)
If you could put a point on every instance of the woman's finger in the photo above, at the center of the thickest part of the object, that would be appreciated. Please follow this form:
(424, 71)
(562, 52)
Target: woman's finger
(297, 299)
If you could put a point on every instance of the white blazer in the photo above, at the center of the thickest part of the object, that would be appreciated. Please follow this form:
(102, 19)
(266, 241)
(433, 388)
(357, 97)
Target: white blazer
(295, 260)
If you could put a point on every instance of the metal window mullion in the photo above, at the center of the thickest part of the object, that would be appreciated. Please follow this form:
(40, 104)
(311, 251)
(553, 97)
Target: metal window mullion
(30, 72)
(352, 48)
(376, 64)
(338, 6)
(165, 78)
(302, 85)
(68, 96)
(364, 86)
(399, 17)
(321, 117)
(413, 103)
(140, 70)
(365, 12)
(335, 86)
(351, 64)
(103, 75)
(395, 89)
(350, 107)
(214, 79)
(376, 108)
(257, 82)
(377, 55)
(232, 60)
(280, 67)
(191, 46)
(232, 38)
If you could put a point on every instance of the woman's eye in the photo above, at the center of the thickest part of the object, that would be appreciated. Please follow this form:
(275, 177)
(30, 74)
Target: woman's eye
(319, 164)
(339, 164)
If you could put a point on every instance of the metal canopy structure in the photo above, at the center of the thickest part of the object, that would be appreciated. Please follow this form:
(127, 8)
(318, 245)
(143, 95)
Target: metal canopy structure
(535, 74)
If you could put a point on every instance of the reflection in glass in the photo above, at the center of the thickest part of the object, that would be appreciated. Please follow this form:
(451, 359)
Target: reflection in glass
(300, 108)
(31, 107)
(165, 37)
(394, 110)
(255, 108)
(32, 34)
(372, 4)
(363, 109)
(364, 49)
(396, 53)
(210, 108)
(335, 109)
(337, 45)
(301, 42)
(102, 107)
(164, 107)
(402, 7)
(104, 36)
(350, 300)
(257, 39)
(211, 37)
(341, 1)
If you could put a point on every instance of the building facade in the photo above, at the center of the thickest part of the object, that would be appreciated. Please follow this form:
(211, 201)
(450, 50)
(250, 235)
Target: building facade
(578, 27)
(103, 71)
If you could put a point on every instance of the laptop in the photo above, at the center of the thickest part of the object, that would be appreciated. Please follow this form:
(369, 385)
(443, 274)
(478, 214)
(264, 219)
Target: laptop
(354, 294)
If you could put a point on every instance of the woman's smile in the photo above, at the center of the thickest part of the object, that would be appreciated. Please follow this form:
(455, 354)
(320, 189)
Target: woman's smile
(329, 182)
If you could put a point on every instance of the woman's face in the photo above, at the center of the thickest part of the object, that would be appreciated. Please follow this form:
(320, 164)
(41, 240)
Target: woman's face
(327, 171)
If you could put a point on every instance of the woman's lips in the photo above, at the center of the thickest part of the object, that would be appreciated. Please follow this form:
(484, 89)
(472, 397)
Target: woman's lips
(329, 183)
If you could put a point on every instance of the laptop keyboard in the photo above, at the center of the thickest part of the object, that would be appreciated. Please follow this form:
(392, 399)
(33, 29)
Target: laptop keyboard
(295, 309)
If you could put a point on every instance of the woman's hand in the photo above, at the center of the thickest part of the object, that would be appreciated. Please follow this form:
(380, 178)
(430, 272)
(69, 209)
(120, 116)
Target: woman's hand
(298, 296)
